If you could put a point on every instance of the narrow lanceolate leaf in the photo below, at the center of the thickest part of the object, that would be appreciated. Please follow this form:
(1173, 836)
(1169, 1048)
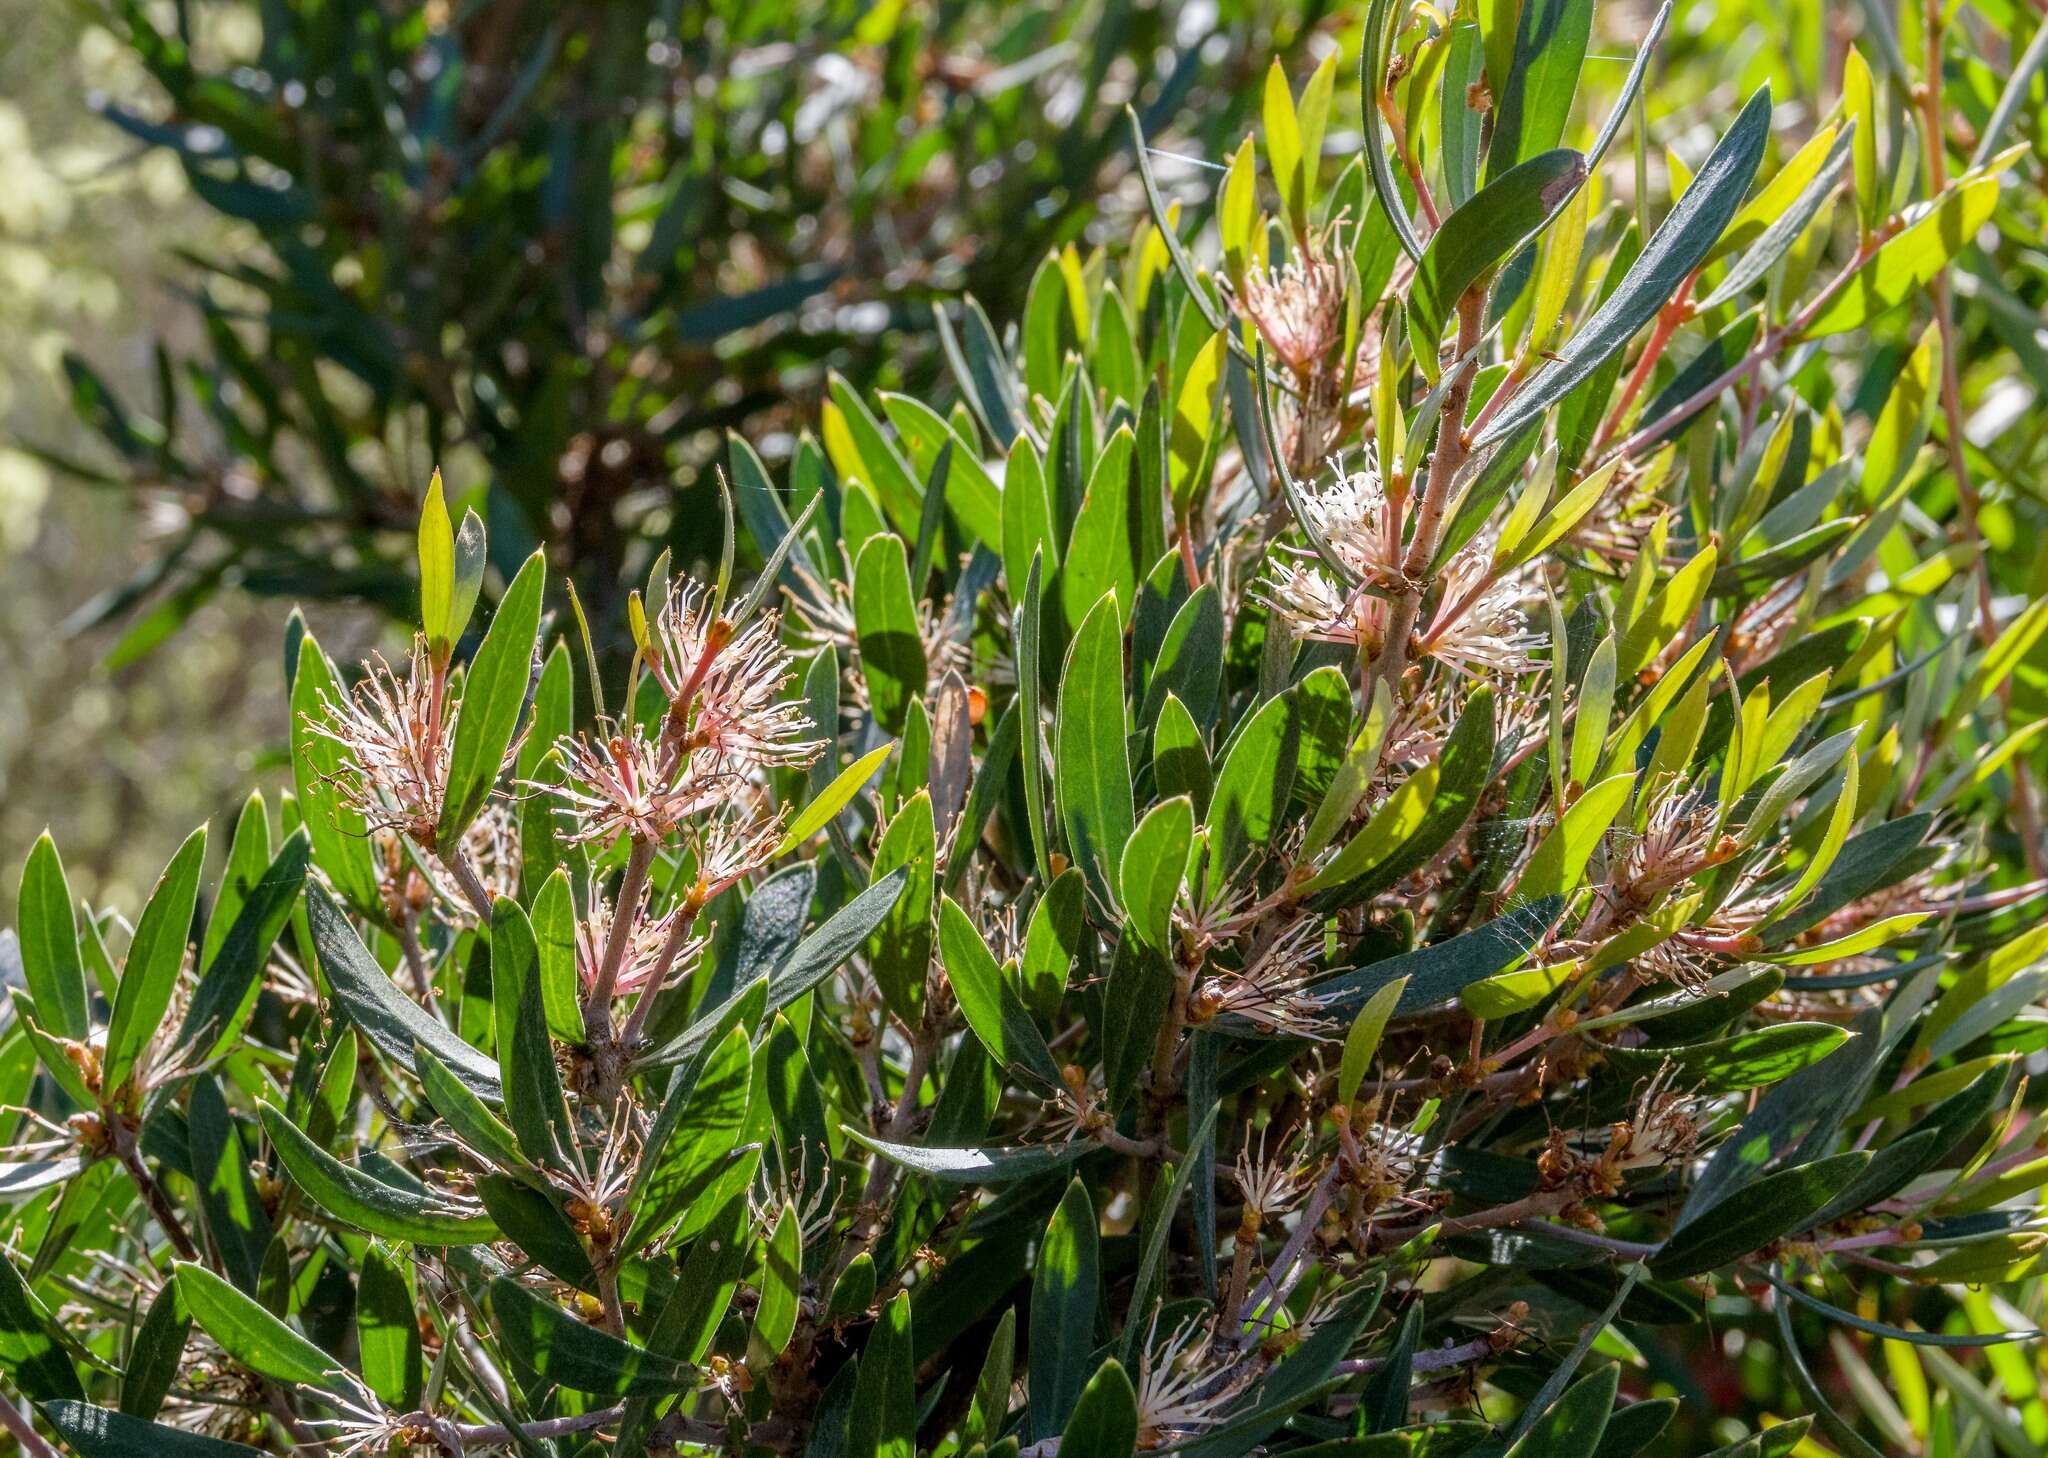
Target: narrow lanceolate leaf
(49, 943)
(1559, 863)
(1484, 233)
(253, 1336)
(1152, 867)
(1105, 1420)
(781, 1284)
(1550, 49)
(1767, 1209)
(340, 834)
(971, 1166)
(534, 1106)
(31, 1353)
(1574, 1423)
(99, 1432)
(892, 658)
(493, 694)
(228, 985)
(367, 997)
(1903, 266)
(437, 564)
(388, 1329)
(368, 1203)
(835, 797)
(883, 1423)
(1066, 1288)
(987, 999)
(1673, 252)
(156, 954)
(1091, 764)
(573, 1354)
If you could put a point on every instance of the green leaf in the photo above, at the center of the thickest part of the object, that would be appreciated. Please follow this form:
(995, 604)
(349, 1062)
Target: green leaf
(1105, 1420)
(1550, 49)
(892, 657)
(493, 693)
(98, 1432)
(156, 954)
(693, 1137)
(362, 1200)
(1672, 253)
(563, 1350)
(780, 1285)
(988, 1414)
(860, 449)
(1744, 1060)
(393, 1022)
(1363, 1041)
(1052, 942)
(990, 1004)
(157, 1354)
(1252, 790)
(1102, 551)
(1091, 765)
(1383, 1405)
(1765, 1210)
(1066, 1289)
(554, 936)
(31, 1352)
(1476, 238)
(1153, 862)
(49, 943)
(883, 1423)
(388, 1329)
(1028, 639)
(236, 1221)
(1412, 825)
(1440, 972)
(437, 566)
(534, 1106)
(340, 835)
(255, 1338)
(1559, 862)
(1574, 1423)
(1189, 664)
(900, 952)
(1135, 1000)
(827, 803)
(466, 1114)
(816, 957)
(1903, 266)
(227, 988)
(971, 1166)
(1180, 760)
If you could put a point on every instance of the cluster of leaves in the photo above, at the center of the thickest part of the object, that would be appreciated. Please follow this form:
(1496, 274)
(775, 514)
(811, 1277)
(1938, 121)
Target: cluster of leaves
(1361, 830)
(558, 249)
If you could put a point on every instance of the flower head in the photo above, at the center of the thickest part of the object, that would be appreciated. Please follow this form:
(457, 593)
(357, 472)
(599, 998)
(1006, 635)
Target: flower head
(624, 783)
(394, 751)
(1298, 308)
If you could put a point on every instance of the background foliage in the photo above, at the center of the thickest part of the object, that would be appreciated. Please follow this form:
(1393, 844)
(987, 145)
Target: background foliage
(1831, 834)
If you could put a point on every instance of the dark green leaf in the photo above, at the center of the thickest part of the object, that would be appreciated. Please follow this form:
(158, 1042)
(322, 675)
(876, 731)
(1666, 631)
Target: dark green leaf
(1091, 765)
(561, 1349)
(1686, 234)
(493, 693)
(364, 1201)
(1066, 1289)
(98, 1432)
(988, 1001)
(393, 1022)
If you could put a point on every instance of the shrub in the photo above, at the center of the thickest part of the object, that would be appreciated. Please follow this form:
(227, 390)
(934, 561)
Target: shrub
(561, 249)
(1283, 885)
